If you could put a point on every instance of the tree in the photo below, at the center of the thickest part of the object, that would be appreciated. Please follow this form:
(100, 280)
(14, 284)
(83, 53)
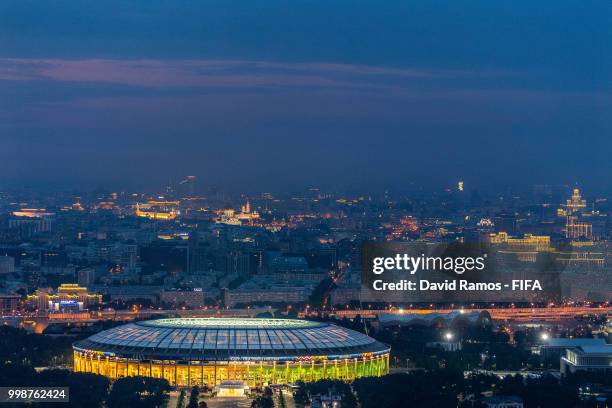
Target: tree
(321, 292)
(193, 398)
(16, 375)
(22, 348)
(300, 395)
(281, 399)
(263, 401)
(418, 390)
(181, 400)
(139, 392)
(86, 390)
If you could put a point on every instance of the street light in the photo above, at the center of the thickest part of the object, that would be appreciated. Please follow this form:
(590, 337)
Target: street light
(448, 336)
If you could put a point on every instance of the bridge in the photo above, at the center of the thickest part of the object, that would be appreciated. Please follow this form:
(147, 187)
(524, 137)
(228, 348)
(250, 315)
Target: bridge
(514, 314)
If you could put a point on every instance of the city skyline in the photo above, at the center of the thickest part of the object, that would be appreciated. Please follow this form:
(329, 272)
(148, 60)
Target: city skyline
(175, 190)
(345, 203)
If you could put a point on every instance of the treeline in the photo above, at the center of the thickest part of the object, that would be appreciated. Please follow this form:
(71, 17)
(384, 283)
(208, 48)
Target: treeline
(450, 389)
(88, 390)
(482, 347)
(20, 347)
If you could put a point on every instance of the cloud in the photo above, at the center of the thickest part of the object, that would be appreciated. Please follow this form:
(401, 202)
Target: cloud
(212, 73)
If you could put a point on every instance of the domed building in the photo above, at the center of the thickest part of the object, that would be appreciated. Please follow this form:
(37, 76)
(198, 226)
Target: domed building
(196, 351)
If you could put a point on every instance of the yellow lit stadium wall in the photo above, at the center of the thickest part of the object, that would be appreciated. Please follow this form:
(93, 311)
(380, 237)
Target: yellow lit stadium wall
(252, 373)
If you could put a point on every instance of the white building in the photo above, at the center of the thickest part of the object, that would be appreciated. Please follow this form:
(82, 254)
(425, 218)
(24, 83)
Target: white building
(328, 400)
(554, 348)
(232, 388)
(503, 401)
(587, 358)
(445, 345)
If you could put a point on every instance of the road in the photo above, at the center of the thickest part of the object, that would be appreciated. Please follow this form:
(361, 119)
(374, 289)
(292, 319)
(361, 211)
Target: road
(215, 402)
(226, 402)
(289, 402)
(173, 399)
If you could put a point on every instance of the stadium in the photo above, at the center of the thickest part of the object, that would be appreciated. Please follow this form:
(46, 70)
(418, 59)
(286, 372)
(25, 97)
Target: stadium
(197, 351)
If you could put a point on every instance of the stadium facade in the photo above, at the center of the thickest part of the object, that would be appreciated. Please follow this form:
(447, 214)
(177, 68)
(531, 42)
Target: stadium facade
(196, 351)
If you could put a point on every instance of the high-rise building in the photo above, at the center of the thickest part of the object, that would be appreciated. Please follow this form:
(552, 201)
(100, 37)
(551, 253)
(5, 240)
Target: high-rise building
(86, 276)
(30, 221)
(187, 186)
(7, 264)
(9, 303)
(576, 203)
(573, 209)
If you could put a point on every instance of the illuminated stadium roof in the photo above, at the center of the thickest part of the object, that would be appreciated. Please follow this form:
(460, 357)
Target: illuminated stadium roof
(225, 338)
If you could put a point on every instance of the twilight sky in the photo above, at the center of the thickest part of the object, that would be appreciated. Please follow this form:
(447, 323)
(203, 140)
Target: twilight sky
(288, 94)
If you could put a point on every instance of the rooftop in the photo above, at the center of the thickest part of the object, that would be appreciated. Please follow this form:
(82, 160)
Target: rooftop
(228, 323)
(604, 349)
(230, 338)
(559, 342)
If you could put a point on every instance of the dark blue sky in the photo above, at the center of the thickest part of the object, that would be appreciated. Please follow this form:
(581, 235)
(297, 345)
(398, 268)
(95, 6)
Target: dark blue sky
(283, 94)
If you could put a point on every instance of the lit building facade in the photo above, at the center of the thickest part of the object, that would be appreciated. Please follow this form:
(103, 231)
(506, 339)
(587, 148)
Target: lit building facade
(69, 296)
(209, 351)
(588, 358)
(229, 216)
(158, 210)
(32, 221)
(573, 211)
(526, 249)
